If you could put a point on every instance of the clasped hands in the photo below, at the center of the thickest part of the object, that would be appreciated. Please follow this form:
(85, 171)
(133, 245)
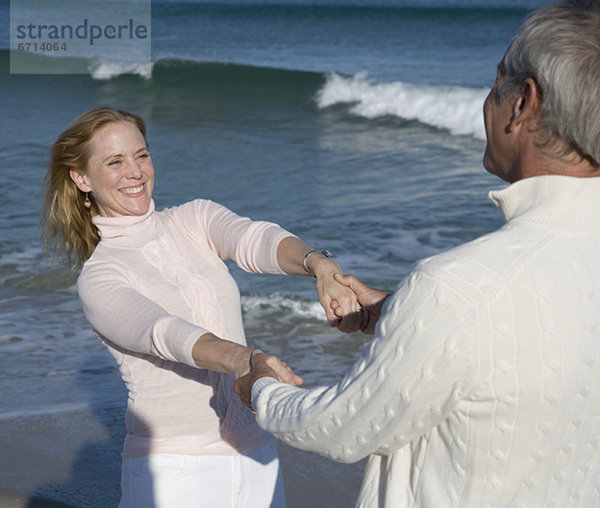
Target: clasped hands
(349, 305)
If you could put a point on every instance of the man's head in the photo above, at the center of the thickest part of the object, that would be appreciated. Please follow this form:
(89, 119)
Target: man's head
(558, 49)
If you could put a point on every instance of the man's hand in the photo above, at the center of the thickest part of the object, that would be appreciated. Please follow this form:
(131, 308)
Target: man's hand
(371, 301)
(262, 365)
(345, 313)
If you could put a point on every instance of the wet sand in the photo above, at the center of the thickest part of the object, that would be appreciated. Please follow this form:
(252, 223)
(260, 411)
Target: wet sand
(72, 458)
(9, 500)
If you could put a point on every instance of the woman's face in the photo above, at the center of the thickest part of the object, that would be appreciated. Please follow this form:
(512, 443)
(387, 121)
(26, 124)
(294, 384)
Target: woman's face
(119, 172)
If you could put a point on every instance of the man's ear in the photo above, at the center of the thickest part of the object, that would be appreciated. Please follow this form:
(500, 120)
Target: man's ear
(80, 180)
(526, 105)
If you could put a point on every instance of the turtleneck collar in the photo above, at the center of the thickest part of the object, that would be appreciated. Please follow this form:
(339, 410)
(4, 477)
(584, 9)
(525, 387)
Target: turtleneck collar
(127, 231)
(559, 203)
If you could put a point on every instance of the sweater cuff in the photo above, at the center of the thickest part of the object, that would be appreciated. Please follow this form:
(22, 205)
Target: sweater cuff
(173, 339)
(258, 385)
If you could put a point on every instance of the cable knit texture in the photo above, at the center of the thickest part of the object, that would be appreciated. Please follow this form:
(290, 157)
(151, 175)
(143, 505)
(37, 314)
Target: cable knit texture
(152, 287)
(481, 386)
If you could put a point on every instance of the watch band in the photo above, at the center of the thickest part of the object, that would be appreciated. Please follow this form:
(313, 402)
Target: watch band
(325, 253)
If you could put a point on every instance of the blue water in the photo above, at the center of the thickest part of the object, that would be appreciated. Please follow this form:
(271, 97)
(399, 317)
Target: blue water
(356, 125)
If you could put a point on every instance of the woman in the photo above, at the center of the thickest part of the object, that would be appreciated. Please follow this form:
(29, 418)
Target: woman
(156, 290)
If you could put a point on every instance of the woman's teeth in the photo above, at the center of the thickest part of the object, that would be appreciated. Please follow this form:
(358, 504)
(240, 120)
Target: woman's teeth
(133, 190)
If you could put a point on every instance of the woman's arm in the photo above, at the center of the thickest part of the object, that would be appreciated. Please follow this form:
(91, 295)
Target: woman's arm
(259, 246)
(130, 320)
(213, 353)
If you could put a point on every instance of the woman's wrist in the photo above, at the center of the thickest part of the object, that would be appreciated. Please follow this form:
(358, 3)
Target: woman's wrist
(314, 253)
(242, 362)
(319, 264)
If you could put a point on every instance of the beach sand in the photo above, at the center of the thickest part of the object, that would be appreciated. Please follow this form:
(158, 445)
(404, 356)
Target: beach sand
(10, 500)
(71, 458)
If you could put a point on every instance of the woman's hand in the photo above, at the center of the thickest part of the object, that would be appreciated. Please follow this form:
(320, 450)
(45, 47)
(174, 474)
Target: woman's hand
(262, 365)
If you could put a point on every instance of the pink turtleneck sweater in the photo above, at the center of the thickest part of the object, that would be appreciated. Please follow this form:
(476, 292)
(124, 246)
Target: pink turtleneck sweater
(156, 283)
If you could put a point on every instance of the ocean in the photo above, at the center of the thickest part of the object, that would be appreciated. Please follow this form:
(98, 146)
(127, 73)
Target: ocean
(356, 125)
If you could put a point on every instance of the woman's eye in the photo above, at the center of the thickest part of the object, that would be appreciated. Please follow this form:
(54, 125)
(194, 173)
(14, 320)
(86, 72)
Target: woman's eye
(114, 163)
(144, 155)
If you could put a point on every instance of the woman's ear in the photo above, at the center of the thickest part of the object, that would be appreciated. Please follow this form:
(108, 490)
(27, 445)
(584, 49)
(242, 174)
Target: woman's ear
(80, 180)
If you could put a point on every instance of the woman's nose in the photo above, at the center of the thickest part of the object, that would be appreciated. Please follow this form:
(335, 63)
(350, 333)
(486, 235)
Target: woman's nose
(134, 169)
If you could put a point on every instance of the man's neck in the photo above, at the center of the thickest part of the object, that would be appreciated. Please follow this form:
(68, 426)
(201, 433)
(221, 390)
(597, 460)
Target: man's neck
(537, 162)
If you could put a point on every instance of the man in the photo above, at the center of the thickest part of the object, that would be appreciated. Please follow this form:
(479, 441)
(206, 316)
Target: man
(481, 386)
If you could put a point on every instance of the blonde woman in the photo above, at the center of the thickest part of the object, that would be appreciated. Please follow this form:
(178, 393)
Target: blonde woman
(156, 290)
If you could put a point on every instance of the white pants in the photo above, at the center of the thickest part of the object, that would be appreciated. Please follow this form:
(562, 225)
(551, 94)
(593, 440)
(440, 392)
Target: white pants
(249, 480)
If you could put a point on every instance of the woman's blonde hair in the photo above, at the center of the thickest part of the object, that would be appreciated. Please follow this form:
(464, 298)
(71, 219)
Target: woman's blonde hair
(67, 228)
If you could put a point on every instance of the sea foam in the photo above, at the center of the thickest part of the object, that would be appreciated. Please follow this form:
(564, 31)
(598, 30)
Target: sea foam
(104, 69)
(457, 109)
(265, 305)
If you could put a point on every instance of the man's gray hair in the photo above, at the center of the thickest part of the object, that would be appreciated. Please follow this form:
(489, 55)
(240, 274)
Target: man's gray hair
(559, 47)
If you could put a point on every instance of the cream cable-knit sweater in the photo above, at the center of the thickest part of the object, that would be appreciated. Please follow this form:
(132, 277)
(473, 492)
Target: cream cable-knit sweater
(481, 386)
(152, 287)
